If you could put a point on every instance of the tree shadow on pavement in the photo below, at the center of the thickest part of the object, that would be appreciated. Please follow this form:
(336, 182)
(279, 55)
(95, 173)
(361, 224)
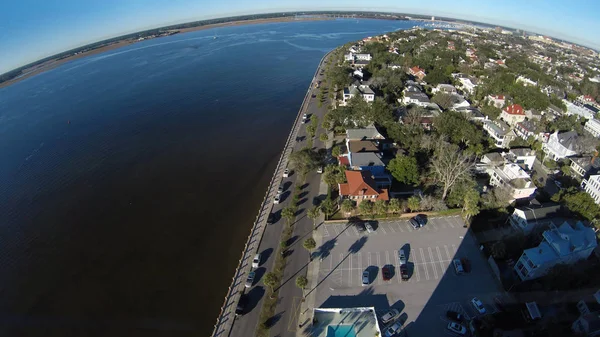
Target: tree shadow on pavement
(325, 249)
(357, 245)
(271, 321)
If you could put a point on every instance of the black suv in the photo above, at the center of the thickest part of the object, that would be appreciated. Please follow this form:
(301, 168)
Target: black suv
(241, 306)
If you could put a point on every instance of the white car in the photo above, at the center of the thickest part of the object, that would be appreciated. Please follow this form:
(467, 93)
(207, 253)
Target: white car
(250, 279)
(393, 330)
(277, 198)
(390, 316)
(256, 261)
(478, 305)
(369, 227)
(365, 278)
(286, 173)
(457, 328)
(320, 169)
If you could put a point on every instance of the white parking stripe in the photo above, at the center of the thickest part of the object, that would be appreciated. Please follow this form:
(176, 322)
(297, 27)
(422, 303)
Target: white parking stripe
(347, 232)
(441, 260)
(342, 269)
(416, 268)
(424, 264)
(325, 231)
(435, 274)
(382, 229)
(400, 228)
(397, 264)
(369, 259)
(409, 228)
(350, 271)
(379, 278)
(450, 223)
(447, 253)
(337, 231)
(355, 230)
(454, 248)
(392, 228)
(387, 257)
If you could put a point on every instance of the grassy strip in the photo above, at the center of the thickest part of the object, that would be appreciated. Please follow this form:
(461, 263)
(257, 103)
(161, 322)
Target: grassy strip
(267, 313)
(449, 212)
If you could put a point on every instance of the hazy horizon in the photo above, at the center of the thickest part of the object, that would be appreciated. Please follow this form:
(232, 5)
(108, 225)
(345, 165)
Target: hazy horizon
(65, 25)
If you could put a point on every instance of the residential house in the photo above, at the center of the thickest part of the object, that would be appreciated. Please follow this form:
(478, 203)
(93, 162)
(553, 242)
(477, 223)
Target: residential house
(526, 81)
(459, 102)
(444, 88)
(368, 133)
(470, 52)
(417, 72)
(358, 89)
(561, 145)
(527, 218)
(473, 114)
(584, 166)
(524, 157)
(525, 129)
(467, 85)
(566, 244)
(586, 99)
(579, 110)
(591, 186)
(357, 146)
(361, 186)
(513, 114)
(352, 57)
(417, 98)
(358, 73)
(367, 161)
(500, 132)
(496, 100)
(512, 176)
(593, 126)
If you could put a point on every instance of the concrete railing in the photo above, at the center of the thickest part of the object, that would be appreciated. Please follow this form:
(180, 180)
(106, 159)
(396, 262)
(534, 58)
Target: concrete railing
(226, 317)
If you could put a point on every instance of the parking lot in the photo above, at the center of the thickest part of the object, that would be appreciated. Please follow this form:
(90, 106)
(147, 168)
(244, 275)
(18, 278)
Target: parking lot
(433, 287)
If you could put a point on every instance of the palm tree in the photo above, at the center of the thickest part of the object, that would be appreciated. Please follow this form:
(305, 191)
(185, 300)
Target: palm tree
(288, 213)
(301, 282)
(413, 203)
(323, 137)
(381, 207)
(365, 207)
(309, 244)
(348, 206)
(394, 206)
(270, 280)
(328, 207)
(313, 214)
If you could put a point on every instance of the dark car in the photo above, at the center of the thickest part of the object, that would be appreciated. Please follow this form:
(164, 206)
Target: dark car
(404, 272)
(360, 226)
(466, 264)
(455, 316)
(421, 219)
(242, 304)
(313, 95)
(386, 271)
(414, 223)
(271, 219)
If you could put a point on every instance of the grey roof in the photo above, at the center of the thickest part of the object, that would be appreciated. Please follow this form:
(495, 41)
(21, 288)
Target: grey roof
(499, 127)
(538, 212)
(586, 163)
(522, 152)
(421, 97)
(366, 159)
(363, 134)
(568, 139)
(528, 125)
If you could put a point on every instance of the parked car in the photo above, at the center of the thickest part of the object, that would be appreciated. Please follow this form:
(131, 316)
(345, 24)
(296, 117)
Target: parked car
(466, 265)
(401, 256)
(457, 328)
(271, 219)
(478, 305)
(458, 267)
(404, 272)
(240, 309)
(386, 272)
(280, 189)
(414, 223)
(320, 169)
(421, 219)
(359, 226)
(314, 95)
(250, 279)
(286, 173)
(256, 261)
(277, 198)
(390, 316)
(455, 316)
(393, 330)
(365, 278)
(369, 227)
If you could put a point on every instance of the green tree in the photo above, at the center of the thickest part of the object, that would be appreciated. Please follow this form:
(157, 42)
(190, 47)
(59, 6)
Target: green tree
(414, 203)
(289, 213)
(313, 213)
(326, 125)
(404, 169)
(437, 76)
(380, 207)
(304, 161)
(336, 151)
(491, 111)
(323, 137)
(456, 197)
(579, 202)
(365, 207)
(471, 204)
(301, 282)
(333, 175)
(395, 206)
(445, 101)
(348, 206)
(455, 126)
(498, 250)
(309, 244)
(271, 280)
(328, 207)
(310, 130)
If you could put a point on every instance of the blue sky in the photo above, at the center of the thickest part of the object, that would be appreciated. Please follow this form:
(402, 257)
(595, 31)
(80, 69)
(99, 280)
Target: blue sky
(32, 29)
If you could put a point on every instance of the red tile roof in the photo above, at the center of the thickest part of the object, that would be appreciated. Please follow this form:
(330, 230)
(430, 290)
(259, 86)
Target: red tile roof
(514, 109)
(415, 70)
(498, 96)
(361, 183)
(344, 160)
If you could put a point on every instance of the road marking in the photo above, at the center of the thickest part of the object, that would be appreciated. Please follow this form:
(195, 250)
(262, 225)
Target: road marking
(379, 279)
(441, 260)
(424, 264)
(454, 248)
(400, 228)
(369, 259)
(397, 259)
(435, 274)
(337, 232)
(409, 228)
(296, 305)
(416, 267)
(355, 230)
(450, 223)
(346, 231)
(325, 231)
(383, 229)
(392, 228)
(447, 252)
(387, 257)
(341, 268)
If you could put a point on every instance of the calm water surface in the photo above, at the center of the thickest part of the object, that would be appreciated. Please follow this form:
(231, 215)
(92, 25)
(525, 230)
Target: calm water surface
(130, 219)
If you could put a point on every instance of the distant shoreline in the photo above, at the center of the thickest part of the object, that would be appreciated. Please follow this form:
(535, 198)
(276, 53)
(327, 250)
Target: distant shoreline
(51, 64)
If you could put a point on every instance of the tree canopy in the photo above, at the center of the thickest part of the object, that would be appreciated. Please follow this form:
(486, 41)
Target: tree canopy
(404, 169)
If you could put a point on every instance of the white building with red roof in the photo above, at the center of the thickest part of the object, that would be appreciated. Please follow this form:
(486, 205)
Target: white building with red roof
(513, 114)
(417, 72)
(496, 100)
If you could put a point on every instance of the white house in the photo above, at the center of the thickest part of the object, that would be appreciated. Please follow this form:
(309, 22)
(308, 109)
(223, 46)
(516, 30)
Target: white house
(363, 57)
(582, 166)
(565, 244)
(591, 186)
(459, 102)
(496, 100)
(573, 109)
(445, 88)
(513, 177)
(526, 81)
(593, 126)
(358, 73)
(500, 132)
(467, 85)
(513, 114)
(417, 98)
(561, 145)
(524, 157)
(527, 218)
(362, 90)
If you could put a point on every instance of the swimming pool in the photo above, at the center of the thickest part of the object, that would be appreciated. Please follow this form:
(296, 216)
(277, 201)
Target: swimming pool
(341, 331)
